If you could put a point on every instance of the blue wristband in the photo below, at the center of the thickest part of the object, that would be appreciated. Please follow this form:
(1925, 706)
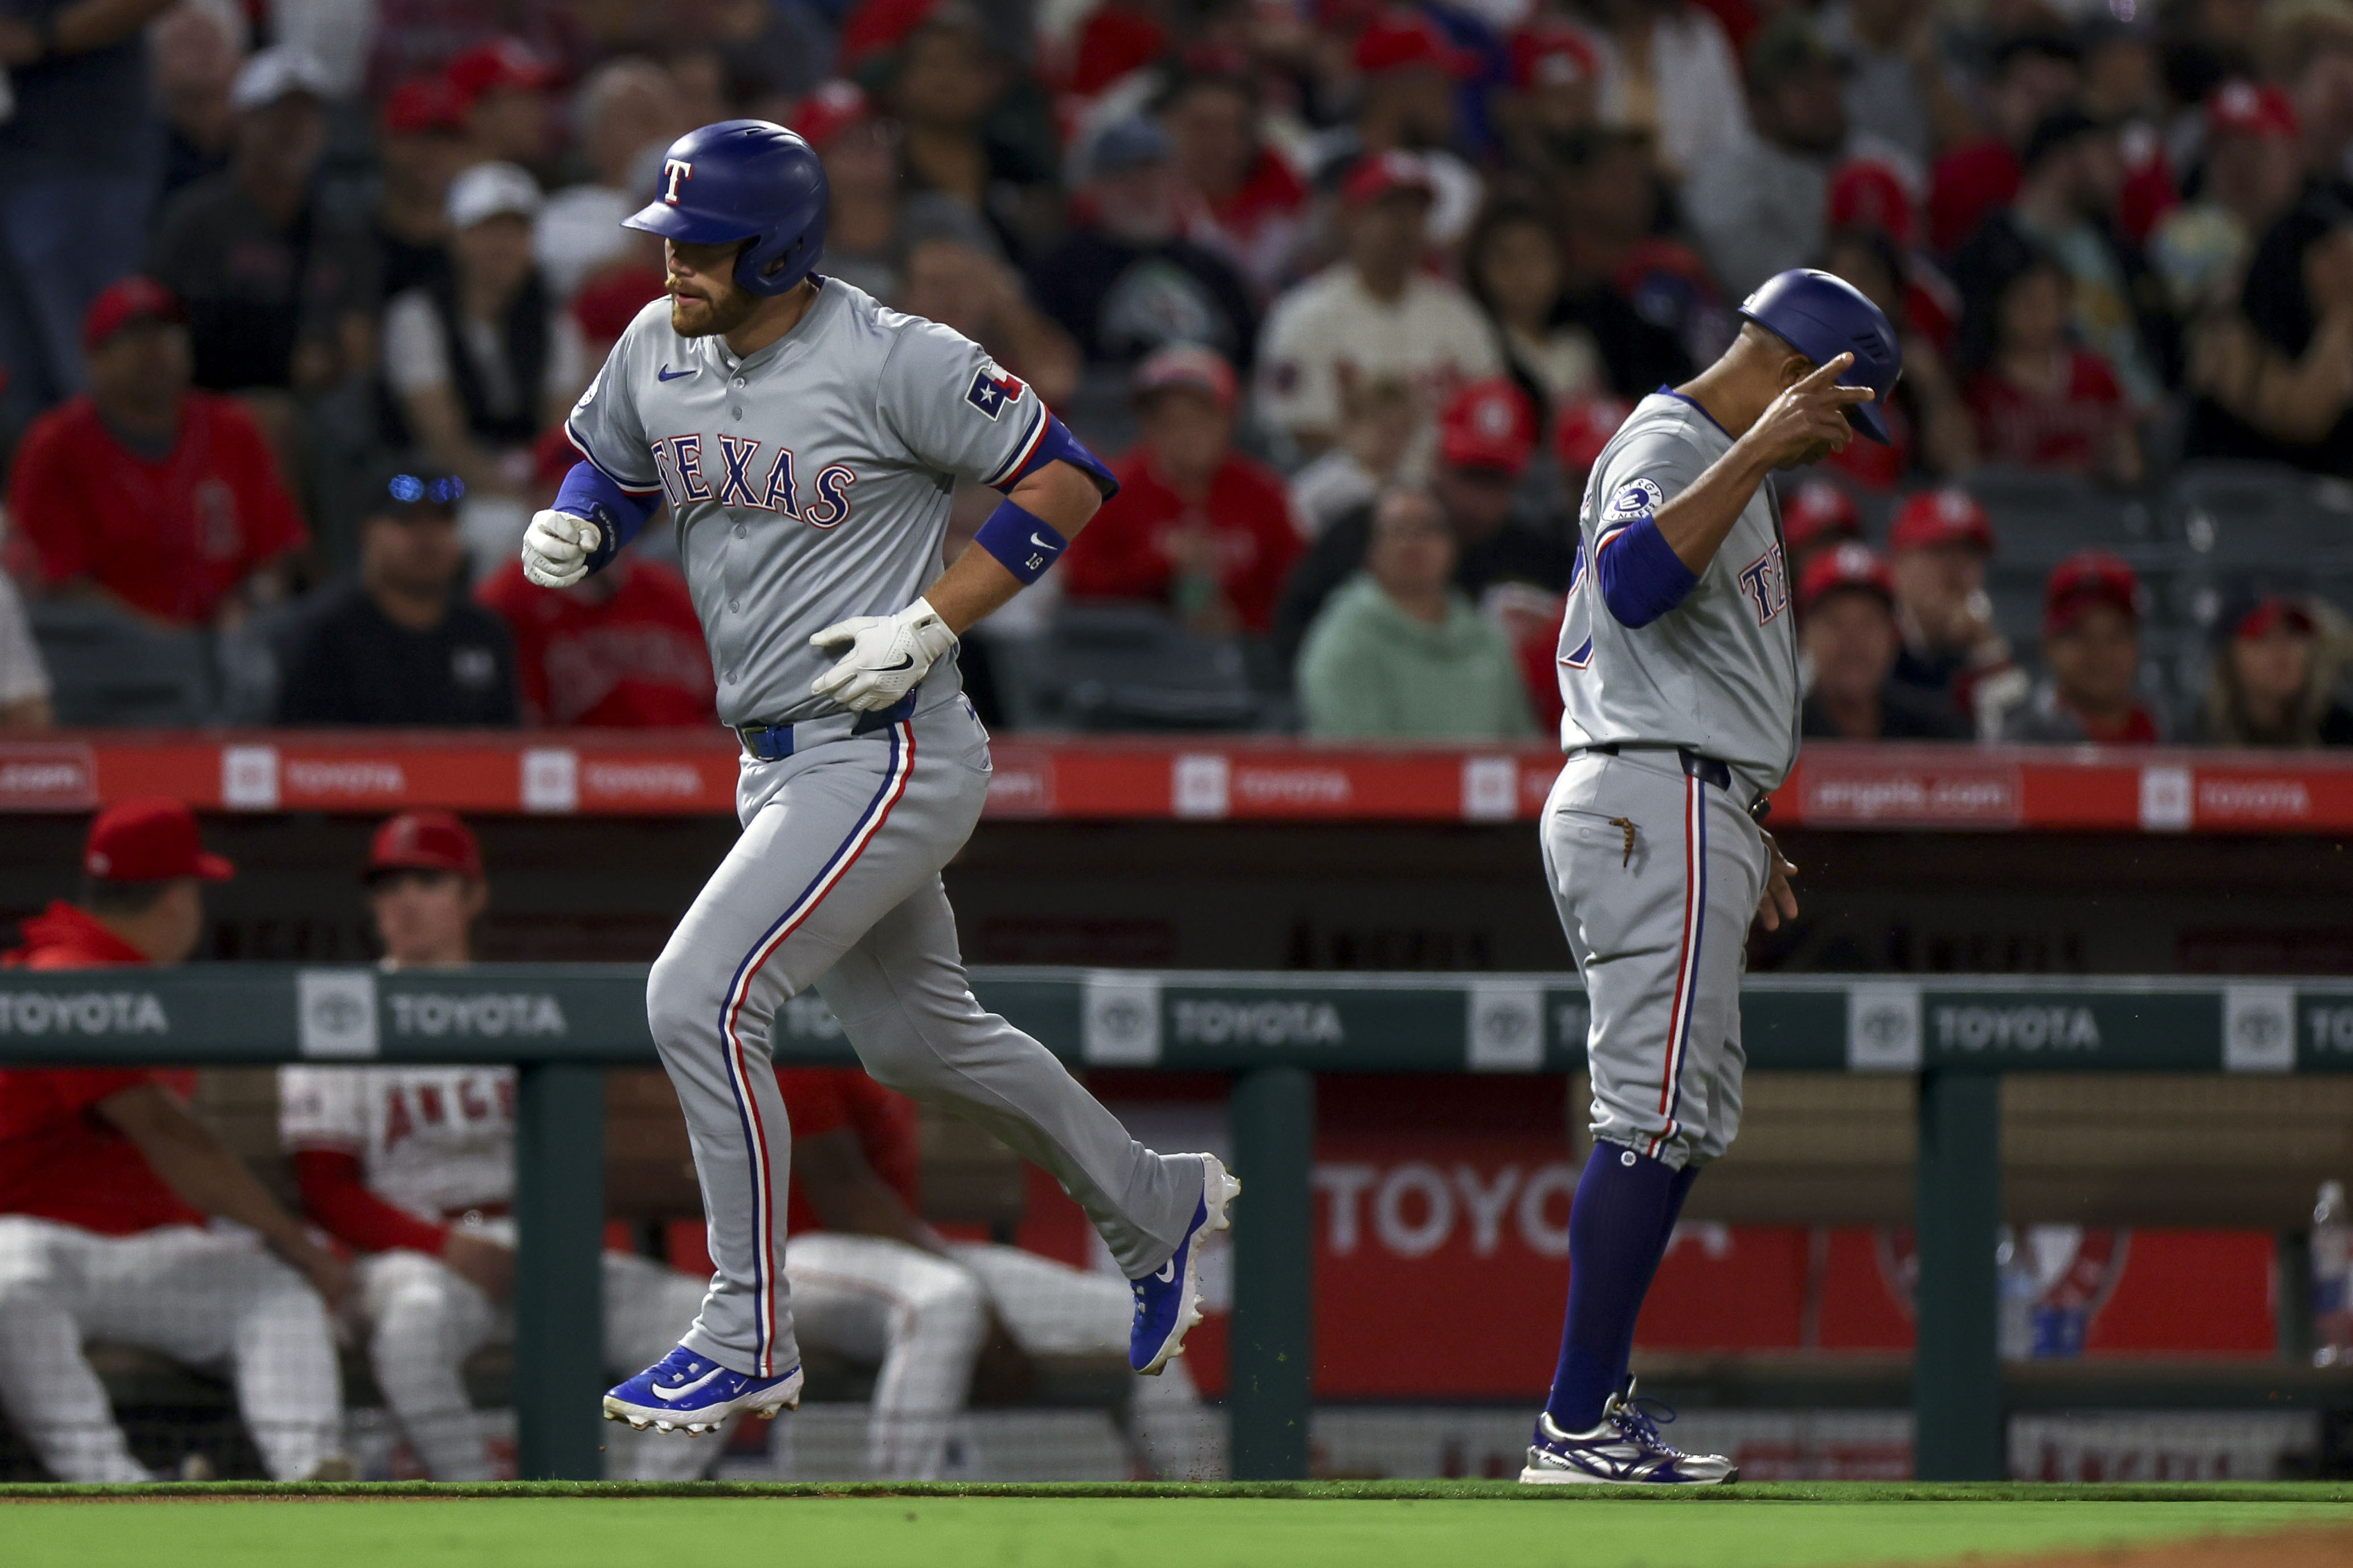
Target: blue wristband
(588, 492)
(1021, 541)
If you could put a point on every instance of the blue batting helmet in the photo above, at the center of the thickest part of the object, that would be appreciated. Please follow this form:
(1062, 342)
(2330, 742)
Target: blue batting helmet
(1822, 317)
(744, 179)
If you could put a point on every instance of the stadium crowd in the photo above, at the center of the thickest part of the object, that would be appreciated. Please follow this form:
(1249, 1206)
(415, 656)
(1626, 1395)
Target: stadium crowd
(294, 295)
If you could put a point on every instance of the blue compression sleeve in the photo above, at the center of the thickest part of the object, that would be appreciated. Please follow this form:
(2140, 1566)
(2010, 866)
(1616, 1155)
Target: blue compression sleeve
(1022, 541)
(1058, 444)
(618, 515)
(1641, 576)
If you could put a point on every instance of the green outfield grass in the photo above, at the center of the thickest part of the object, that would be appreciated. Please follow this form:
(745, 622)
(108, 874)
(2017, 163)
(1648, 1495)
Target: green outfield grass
(1346, 1525)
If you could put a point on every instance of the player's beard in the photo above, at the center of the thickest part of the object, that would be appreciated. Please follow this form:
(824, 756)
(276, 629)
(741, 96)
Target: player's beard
(694, 316)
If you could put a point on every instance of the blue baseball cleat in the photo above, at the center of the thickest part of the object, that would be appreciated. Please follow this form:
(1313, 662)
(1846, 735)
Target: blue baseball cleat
(1168, 1302)
(688, 1392)
(1625, 1449)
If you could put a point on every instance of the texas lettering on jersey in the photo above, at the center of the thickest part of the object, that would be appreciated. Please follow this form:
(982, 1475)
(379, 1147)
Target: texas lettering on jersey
(748, 479)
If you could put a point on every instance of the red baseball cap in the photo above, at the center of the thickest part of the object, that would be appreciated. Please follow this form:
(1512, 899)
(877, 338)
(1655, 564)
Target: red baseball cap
(1400, 40)
(2249, 109)
(1820, 513)
(1552, 53)
(424, 841)
(424, 103)
(503, 65)
(123, 302)
(1185, 364)
(2087, 578)
(2260, 618)
(1384, 172)
(1488, 426)
(1867, 193)
(1850, 567)
(153, 840)
(1934, 518)
(1585, 427)
(830, 108)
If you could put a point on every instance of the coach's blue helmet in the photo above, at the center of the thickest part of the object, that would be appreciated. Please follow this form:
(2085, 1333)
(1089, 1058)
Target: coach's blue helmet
(1822, 317)
(744, 179)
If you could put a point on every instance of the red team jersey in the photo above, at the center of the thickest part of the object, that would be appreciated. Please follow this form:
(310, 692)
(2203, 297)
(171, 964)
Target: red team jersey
(1124, 553)
(636, 661)
(171, 536)
(821, 1100)
(59, 1159)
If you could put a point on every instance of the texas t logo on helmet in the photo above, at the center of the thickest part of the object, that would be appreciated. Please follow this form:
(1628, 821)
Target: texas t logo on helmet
(674, 170)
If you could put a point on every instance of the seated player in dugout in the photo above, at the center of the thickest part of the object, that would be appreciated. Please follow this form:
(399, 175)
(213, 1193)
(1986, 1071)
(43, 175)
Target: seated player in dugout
(107, 1182)
(872, 1282)
(412, 1168)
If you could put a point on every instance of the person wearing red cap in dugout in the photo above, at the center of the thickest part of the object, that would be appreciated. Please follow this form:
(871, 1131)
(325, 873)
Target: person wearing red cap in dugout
(1374, 315)
(1937, 548)
(1486, 438)
(2090, 649)
(1196, 525)
(106, 1182)
(412, 1168)
(1846, 632)
(144, 494)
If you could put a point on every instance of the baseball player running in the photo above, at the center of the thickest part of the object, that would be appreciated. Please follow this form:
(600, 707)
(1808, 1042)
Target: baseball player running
(807, 441)
(1678, 669)
(413, 1167)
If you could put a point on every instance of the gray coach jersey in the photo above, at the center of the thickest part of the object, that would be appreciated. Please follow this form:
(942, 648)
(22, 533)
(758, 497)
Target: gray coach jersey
(1718, 673)
(810, 481)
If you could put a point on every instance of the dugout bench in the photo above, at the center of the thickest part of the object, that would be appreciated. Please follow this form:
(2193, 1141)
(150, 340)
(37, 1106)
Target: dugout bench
(1948, 1046)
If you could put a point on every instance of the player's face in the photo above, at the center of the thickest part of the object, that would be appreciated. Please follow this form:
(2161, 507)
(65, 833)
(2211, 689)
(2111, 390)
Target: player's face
(424, 917)
(703, 299)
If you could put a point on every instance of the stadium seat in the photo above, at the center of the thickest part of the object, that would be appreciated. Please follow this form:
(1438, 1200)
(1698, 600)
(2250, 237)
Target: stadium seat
(1111, 666)
(108, 669)
(2261, 514)
(2042, 519)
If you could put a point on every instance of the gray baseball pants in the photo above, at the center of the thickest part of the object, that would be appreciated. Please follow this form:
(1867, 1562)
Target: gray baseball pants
(1656, 875)
(836, 883)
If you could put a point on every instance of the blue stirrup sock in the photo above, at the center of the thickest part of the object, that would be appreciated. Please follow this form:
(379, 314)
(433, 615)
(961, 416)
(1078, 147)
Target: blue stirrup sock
(1619, 1225)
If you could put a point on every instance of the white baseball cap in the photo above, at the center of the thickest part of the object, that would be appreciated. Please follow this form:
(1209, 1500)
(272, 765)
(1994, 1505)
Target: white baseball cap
(490, 190)
(278, 72)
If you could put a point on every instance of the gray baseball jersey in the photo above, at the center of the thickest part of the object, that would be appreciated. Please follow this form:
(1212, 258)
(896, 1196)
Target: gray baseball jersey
(810, 481)
(1718, 673)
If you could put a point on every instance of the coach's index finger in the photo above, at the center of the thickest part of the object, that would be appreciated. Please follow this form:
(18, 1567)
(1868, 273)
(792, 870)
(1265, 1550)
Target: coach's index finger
(1825, 374)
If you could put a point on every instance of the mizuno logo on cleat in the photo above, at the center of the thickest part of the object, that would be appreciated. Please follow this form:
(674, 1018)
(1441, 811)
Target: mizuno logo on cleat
(677, 1394)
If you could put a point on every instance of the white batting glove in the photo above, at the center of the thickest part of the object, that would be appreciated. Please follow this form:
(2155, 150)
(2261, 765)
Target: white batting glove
(887, 655)
(555, 549)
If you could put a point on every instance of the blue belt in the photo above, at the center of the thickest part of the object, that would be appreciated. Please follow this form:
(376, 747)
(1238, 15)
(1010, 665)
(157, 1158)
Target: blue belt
(774, 743)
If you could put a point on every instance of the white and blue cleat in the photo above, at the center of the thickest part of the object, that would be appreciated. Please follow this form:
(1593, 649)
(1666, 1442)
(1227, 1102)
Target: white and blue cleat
(1168, 1301)
(1623, 1449)
(688, 1392)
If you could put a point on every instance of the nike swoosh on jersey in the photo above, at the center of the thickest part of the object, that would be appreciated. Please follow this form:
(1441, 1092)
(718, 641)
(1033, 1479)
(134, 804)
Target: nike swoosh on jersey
(666, 374)
(675, 1394)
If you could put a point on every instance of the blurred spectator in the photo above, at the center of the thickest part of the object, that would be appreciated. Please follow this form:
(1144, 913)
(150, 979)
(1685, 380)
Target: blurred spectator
(943, 82)
(1667, 68)
(1512, 265)
(479, 356)
(2040, 402)
(421, 147)
(1242, 198)
(2308, 47)
(77, 183)
(861, 152)
(1898, 88)
(2034, 75)
(1928, 424)
(198, 46)
(1646, 298)
(1196, 525)
(402, 645)
(23, 678)
(1580, 433)
(1557, 86)
(2274, 678)
(1378, 422)
(1847, 636)
(1486, 437)
(955, 276)
(145, 495)
(626, 111)
(2253, 173)
(278, 286)
(1756, 205)
(1124, 281)
(2275, 380)
(1408, 78)
(1376, 313)
(1937, 550)
(622, 649)
(2066, 206)
(414, 38)
(1399, 653)
(2091, 649)
(1818, 516)
(505, 86)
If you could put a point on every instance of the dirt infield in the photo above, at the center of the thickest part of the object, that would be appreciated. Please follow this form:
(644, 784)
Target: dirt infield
(2302, 1547)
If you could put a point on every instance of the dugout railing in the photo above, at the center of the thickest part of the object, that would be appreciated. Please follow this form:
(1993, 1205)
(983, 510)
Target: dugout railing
(1274, 1033)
